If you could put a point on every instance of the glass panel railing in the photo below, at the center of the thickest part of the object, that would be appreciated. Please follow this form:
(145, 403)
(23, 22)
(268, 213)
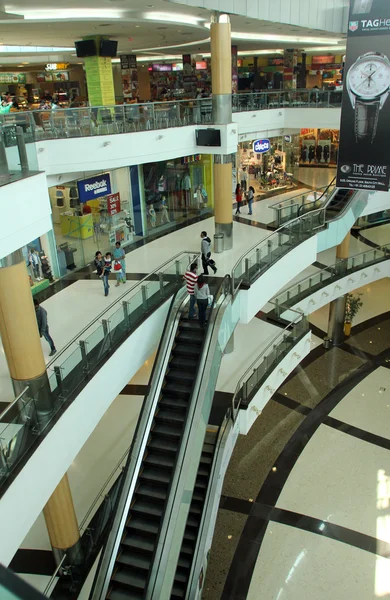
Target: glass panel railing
(313, 283)
(273, 247)
(13, 587)
(18, 156)
(31, 413)
(286, 99)
(291, 208)
(268, 360)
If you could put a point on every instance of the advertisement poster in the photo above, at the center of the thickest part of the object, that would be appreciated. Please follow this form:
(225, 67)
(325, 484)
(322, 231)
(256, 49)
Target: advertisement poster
(129, 75)
(113, 204)
(94, 187)
(234, 70)
(363, 162)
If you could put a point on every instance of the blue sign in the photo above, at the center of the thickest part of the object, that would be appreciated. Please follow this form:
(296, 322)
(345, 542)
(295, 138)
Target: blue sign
(94, 187)
(287, 138)
(261, 146)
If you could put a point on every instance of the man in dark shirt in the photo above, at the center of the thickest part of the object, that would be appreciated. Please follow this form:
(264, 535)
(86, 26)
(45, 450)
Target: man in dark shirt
(43, 326)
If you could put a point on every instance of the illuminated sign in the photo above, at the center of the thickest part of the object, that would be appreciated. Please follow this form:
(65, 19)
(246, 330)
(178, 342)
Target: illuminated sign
(56, 66)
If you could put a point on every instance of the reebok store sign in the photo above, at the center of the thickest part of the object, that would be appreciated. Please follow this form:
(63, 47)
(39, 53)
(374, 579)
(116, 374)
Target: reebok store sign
(94, 187)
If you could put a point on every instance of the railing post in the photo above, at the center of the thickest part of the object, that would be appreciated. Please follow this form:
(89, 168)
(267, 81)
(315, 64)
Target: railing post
(161, 281)
(247, 275)
(106, 329)
(288, 295)
(57, 372)
(126, 313)
(299, 289)
(84, 355)
(144, 293)
(309, 283)
(321, 277)
(4, 170)
(22, 149)
(258, 256)
(177, 264)
(277, 308)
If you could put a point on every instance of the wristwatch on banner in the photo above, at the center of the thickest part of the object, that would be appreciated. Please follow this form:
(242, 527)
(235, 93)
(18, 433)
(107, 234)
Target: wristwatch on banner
(368, 85)
(361, 7)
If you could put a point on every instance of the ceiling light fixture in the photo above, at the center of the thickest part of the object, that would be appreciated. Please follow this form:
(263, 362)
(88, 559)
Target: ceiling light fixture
(194, 43)
(172, 18)
(32, 49)
(341, 48)
(71, 14)
(268, 37)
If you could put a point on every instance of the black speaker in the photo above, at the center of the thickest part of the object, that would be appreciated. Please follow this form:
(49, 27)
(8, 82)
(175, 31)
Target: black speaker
(85, 48)
(108, 48)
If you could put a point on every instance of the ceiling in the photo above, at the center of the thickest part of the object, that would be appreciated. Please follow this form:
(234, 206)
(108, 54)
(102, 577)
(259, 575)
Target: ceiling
(180, 29)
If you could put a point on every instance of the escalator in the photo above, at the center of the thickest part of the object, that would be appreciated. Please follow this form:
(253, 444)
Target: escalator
(140, 536)
(191, 531)
(338, 202)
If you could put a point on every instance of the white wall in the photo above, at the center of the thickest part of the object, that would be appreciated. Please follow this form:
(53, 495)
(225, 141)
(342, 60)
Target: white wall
(329, 15)
(25, 212)
(52, 458)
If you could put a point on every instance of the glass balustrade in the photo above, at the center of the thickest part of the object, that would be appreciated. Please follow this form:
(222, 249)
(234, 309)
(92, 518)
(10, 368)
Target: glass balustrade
(268, 360)
(262, 256)
(291, 208)
(126, 118)
(30, 414)
(315, 282)
(18, 156)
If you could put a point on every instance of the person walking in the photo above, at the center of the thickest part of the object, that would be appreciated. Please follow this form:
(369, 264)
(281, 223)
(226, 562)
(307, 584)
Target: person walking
(250, 197)
(191, 278)
(202, 293)
(205, 248)
(238, 198)
(43, 327)
(100, 270)
(119, 256)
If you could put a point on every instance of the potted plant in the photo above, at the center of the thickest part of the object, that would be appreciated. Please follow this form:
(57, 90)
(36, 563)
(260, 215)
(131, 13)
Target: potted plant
(352, 306)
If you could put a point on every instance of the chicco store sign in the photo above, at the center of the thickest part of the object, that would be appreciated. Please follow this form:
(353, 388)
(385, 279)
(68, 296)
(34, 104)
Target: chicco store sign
(94, 187)
(260, 146)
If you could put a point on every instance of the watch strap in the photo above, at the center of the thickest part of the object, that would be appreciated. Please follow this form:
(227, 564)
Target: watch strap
(366, 119)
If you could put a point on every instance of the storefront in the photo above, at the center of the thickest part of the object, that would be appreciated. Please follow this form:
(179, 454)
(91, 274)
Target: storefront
(319, 147)
(177, 190)
(276, 168)
(42, 262)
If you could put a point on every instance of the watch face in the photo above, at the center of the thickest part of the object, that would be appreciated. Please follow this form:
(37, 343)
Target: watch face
(369, 76)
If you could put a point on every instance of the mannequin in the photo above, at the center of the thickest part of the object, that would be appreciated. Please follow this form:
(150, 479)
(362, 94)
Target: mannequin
(186, 187)
(164, 211)
(35, 262)
(152, 216)
(198, 197)
(129, 223)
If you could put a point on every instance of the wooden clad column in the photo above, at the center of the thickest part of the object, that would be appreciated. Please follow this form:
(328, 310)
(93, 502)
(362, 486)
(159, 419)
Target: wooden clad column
(337, 307)
(61, 520)
(221, 81)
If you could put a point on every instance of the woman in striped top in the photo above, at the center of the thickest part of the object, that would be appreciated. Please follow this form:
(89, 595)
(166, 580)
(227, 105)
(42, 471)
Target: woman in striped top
(191, 278)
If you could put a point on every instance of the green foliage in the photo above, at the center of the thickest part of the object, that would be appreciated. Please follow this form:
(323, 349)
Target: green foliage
(352, 307)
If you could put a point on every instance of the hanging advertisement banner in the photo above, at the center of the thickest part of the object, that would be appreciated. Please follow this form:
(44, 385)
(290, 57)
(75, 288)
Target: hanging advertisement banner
(94, 187)
(129, 73)
(363, 162)
(234, 70)
(113, 203)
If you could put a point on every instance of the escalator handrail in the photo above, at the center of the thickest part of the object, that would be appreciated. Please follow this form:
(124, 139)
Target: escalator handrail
(119, 299)
(174, 497)
(318, 199)
(223, 433)
(140, 438)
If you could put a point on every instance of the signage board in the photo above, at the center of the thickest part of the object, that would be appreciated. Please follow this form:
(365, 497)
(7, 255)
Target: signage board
(322, 60)
(56, 66)
(128, 61)
(275, 62)
(94, 187)
(261, 146)
(287, 138)
(113, 204)
(363, 162)
(12, 78)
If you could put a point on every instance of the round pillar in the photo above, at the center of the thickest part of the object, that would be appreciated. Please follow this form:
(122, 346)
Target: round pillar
(223, 208)
(221, 69)
(61, 521)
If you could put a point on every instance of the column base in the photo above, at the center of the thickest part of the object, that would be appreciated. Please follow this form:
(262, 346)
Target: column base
(74, 555)
(40, 392)
(227, 230)
(222, 109)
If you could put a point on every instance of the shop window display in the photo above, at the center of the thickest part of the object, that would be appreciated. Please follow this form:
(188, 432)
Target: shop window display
(319, 147)
(38, 258)
(177, 190)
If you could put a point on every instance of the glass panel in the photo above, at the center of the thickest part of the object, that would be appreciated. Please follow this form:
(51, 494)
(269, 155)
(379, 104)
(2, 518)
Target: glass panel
(94, 339)
(71, 370)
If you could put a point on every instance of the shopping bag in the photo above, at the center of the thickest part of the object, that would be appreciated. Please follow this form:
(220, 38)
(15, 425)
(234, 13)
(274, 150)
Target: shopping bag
(210, 300)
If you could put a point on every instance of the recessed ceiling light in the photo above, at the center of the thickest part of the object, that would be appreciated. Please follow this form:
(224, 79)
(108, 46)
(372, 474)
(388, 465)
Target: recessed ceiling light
(172, 18)
(137, 26)
(73, 13)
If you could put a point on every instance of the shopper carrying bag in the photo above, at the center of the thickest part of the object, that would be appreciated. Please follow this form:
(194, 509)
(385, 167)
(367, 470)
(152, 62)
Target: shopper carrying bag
(205, 248)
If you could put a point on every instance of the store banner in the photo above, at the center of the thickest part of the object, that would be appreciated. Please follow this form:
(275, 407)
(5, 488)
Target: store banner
(234, 70)
(113, 204)
(261, 146)
(363, 162)
(129, 75)
(94, 187)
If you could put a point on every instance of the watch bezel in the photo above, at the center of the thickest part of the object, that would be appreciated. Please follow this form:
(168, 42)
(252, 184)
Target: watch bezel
(367, 98)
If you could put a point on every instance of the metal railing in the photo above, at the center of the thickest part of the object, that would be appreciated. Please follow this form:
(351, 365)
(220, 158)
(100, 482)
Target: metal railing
(82, 357)
(103, 120)
(311, 284)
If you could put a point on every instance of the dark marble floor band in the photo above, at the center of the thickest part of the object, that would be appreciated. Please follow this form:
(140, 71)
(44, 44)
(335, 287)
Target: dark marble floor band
(35, 562)
(306, 523)
(134, 390)
(359, 235)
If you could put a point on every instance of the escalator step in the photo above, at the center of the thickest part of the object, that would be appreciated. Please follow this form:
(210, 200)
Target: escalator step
(151, 491)
(157, 459)
(122, 594)
(191, 337)
(180, 375)
(154, 475)
(200, 484)
(186, 350)
(130, 578)
(193, 520)
(170, 416)
(148, 509)
(173, 388)
(178, 592)
(203, 470)
(142, 524)
(180, 576)
(184, 562)
(206, 459)
(172, 403)
(195, 508)
(162, 429)
(181, 362)
(189, 324)
(137, 561)
(187, 548)
(140, 543)
(189, 535)
(199, 496)
(162, 444)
